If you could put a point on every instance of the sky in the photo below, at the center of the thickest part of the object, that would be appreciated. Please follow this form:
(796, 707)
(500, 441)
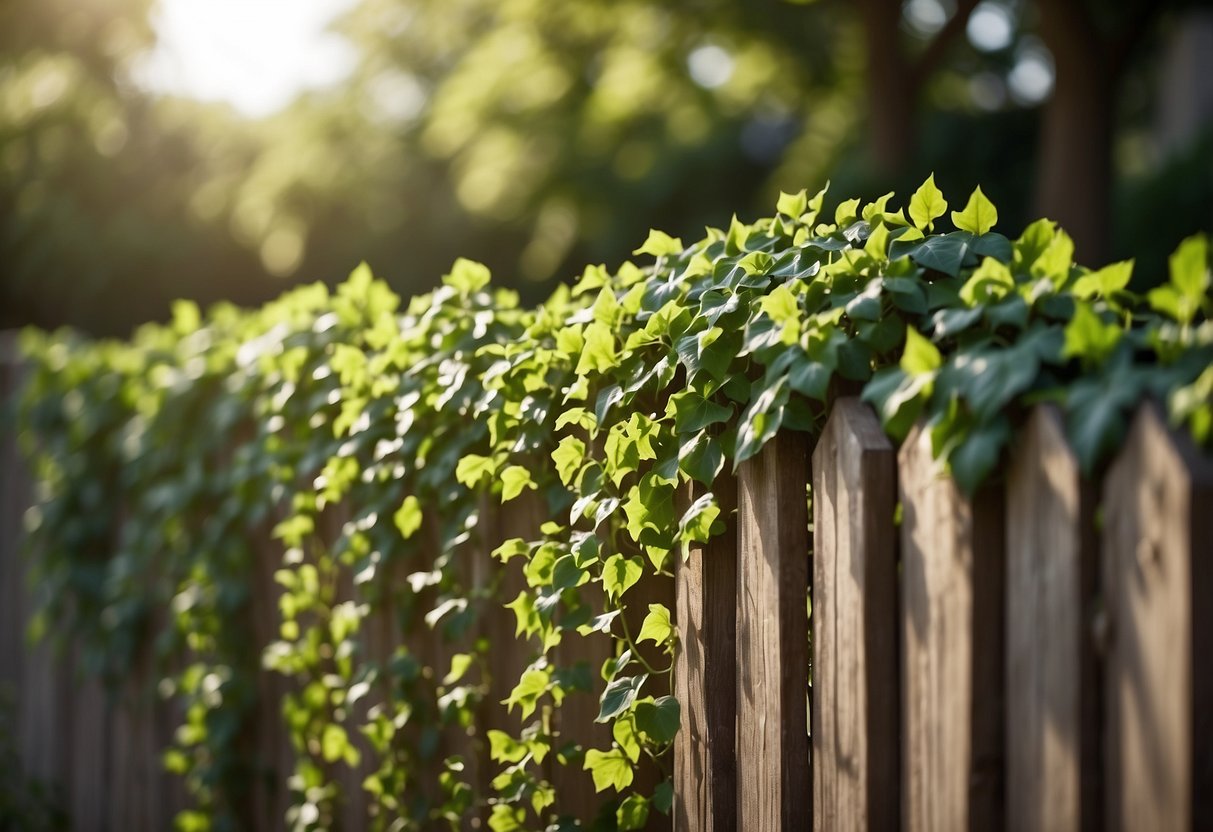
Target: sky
(256, 55)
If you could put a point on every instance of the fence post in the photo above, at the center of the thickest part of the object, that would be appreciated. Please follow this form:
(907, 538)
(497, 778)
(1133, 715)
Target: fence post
(855, 673)
(952, 659)
(705, 675)
(773, 781)
(1052, 707)
(1157, 582)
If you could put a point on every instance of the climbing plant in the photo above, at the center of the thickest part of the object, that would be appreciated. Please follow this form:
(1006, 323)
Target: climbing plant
(346, 450)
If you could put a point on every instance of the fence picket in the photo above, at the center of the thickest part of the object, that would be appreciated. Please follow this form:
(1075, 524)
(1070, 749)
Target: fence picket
(952, 634)
(1157, 581)
(773, 779)
(1052, 706)
(705, 673)
(855, 671)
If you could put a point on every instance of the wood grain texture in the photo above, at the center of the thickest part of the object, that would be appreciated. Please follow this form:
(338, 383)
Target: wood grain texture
(705, 673)
(1157, 548)
(773, 780)
(855, 624)
(952, 648)
(1052, 568)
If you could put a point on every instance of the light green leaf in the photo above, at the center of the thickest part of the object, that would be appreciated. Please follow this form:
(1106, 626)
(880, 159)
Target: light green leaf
(920, 356)
(792, 205)
(978, 216)
(472, 468)
(1088, 337)
(927, 205)
(408, 517)
(568, 457)
(656, 626)
(1105, 282)
(633, 812)
(624, 732)
(660, 244)
(619, 574)
(513, 480)
(460, 663)
(990, 282)
(609, 768)
(526, 693)
(599, 353)
(467, 276)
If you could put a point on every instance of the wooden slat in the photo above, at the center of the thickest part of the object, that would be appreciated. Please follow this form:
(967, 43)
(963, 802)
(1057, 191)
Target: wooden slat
(773, 782)
(952, 653)
(1158, 581)
(574, 719)
(705, 670)
(1051, 673)
(855, 671)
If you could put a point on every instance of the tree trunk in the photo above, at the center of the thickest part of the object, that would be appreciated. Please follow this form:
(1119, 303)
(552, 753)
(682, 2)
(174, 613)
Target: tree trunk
(892, 91)
(1074, 171)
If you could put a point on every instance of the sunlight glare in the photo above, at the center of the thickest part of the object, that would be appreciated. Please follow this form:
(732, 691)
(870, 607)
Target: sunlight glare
(256, 55)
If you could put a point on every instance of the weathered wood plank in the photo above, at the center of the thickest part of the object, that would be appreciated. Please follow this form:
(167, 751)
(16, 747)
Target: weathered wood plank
(952, 653)
(1051, 671)
(705, 670)
(574, 719)
(1157, 582)
(855, 671)
(773, 780)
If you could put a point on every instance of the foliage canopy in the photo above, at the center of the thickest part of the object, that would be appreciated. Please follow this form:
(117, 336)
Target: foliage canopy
(367, 435)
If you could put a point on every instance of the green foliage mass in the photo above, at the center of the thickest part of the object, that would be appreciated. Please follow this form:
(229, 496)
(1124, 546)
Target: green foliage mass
(355, 445)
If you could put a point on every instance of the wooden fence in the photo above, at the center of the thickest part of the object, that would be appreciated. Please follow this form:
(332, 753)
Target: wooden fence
(1039, 656)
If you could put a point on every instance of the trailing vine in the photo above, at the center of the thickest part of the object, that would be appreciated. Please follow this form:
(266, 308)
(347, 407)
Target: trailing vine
(368, 441)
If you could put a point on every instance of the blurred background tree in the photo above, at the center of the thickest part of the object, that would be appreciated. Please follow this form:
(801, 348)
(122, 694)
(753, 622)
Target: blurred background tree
(539, 136)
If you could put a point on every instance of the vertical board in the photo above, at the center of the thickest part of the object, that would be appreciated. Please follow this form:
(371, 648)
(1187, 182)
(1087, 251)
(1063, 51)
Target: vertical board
(1157, 548)
(705, 674)
(1052, 571)
(574, 719)
(773, 783)
(855, 671)
(952, 650)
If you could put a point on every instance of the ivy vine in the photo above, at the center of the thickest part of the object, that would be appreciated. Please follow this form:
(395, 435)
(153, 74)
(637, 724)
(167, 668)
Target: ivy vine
(353, 445)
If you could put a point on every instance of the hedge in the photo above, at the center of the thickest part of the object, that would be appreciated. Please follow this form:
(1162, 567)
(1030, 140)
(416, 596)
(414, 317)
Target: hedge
(160, 458)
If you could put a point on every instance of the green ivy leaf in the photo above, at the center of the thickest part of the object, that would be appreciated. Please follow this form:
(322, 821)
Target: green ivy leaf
(656, 626)
(659, 719)
(568, 457)
(633, 812)
(693, 413)
(761, 420)
(663, 797)
(532, 685)
(1105, 282)
(920, 357)
(1089, 338)
(609, 768)
(660, 244)
(408, 517)
(624, 732)
(619, 574)
(513, 480)
(792, 205)
(619, 696)
(927, 205)
(978, 216)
